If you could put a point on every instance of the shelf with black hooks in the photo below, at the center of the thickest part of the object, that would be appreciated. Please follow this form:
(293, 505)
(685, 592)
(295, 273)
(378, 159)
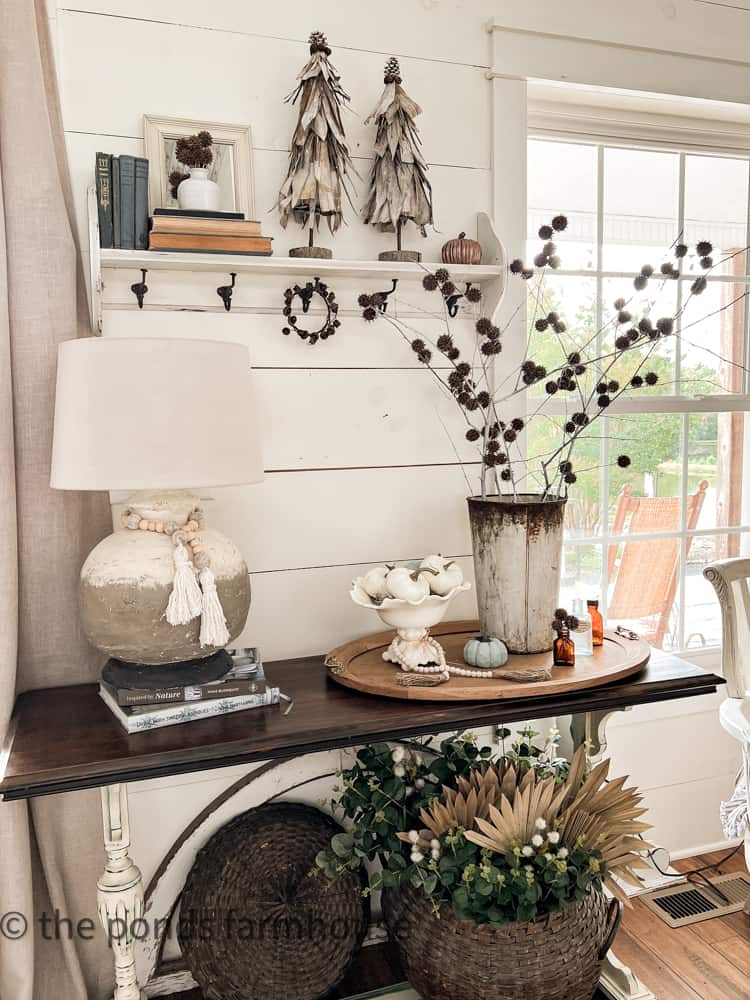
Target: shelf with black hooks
(490, 276)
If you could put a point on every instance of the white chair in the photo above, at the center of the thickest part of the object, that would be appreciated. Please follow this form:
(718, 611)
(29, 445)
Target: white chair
(729, 578)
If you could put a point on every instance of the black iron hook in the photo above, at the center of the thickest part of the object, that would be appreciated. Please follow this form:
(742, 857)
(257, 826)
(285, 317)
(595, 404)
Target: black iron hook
(380, 299)
(225, 291)
(140, 288)
(451, 303)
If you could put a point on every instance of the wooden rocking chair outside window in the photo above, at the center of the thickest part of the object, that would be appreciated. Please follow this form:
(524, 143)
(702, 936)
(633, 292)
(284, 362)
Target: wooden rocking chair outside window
(646, 575)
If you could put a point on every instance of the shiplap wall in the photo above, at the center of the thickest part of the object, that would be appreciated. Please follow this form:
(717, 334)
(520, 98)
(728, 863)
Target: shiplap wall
(363, 472)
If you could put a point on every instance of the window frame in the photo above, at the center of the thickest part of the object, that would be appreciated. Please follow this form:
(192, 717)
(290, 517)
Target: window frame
(602, 137)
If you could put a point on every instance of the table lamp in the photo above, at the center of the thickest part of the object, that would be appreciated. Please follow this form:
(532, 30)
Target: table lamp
(165, 593)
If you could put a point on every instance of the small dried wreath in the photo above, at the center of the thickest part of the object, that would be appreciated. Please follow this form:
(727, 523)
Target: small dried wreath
(305, 294)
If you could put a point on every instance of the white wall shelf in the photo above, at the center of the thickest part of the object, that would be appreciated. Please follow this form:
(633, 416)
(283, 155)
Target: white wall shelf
(491, 276)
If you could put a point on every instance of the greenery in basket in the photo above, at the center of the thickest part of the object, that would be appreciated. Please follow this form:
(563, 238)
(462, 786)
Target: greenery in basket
(500, 838)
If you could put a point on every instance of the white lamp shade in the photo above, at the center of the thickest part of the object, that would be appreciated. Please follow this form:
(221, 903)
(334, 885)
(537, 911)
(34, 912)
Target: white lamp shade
(134, 414)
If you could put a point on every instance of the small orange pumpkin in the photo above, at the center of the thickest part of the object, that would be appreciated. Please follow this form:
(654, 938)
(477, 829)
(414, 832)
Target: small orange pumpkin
(462, 251)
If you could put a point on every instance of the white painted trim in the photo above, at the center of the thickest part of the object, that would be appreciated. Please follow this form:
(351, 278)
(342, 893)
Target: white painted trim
(615, 126)
(530, 53)
(715, 847)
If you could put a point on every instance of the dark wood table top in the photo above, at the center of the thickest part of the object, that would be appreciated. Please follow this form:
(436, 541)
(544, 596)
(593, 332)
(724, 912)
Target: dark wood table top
(64, 739)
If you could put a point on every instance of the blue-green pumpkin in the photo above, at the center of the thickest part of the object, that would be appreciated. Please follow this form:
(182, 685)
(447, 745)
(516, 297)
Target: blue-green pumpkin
(485, 652)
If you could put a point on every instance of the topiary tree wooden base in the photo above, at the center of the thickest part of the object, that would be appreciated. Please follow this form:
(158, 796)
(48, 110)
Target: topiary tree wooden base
(321, 253)
(410, 256)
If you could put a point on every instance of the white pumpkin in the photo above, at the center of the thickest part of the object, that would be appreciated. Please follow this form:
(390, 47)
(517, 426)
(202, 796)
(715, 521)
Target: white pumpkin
(446, 574)
(374, 583)
(405, 585)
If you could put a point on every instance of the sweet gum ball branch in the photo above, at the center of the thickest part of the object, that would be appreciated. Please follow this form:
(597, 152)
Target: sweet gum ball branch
(584, 375)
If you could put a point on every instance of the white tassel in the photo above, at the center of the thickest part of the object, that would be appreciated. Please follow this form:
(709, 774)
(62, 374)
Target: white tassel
(734, 813)
(185, 601)
(214, 630)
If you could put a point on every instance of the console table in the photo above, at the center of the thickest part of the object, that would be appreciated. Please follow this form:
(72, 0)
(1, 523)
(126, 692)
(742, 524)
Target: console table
(65, 739)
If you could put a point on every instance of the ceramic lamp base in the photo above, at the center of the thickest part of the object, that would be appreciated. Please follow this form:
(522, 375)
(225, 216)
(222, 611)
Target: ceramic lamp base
(127, 580)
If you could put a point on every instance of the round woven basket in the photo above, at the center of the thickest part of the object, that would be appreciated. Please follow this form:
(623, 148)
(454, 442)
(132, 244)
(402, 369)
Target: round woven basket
(255, 924)
(557, 957)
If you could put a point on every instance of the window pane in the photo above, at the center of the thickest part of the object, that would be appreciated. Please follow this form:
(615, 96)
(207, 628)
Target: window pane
(544, 439)
(716, 209)
(712, 337)
(715, 468)
(641, 189)
(702, 615)
(657, 300)
(645, 496)
(562, 180)
(643, 589)
(574, 300)
(581, 574)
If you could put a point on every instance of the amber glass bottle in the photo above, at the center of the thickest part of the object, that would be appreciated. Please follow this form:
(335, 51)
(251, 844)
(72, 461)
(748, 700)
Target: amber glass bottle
(563, 650)
(597, 623)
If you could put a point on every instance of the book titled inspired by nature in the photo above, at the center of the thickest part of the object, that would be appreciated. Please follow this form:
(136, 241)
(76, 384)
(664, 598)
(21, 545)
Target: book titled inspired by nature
(142, 719)
(244, 686)
(246, 677)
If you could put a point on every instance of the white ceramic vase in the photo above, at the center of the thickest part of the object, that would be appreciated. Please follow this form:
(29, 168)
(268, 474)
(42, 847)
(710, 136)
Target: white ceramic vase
(197, 192)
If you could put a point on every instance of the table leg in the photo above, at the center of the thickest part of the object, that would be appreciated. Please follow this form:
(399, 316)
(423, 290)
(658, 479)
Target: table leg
(120, 892)
(617, 981)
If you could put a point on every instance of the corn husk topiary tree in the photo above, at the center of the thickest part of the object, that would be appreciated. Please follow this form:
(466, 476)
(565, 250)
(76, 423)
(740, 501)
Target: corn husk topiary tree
(319, 160)
(399, 189)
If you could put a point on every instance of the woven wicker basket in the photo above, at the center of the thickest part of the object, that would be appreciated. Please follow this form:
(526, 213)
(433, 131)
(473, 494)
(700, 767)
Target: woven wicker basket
(557, 957)
(255, 924)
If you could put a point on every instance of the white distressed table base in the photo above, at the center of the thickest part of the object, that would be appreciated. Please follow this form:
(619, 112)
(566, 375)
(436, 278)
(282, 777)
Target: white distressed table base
(619, 983)
(120, 892)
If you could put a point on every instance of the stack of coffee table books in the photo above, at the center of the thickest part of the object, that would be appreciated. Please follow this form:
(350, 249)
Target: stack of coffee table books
(243, 687)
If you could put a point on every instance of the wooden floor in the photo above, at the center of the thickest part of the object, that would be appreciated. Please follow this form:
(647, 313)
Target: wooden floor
(706, 961)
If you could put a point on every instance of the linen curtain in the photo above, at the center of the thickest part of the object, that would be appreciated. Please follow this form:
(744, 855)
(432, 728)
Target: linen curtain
(49, 854)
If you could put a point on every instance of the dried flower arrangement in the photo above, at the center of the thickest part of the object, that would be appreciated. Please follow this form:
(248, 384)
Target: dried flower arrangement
(192, 151)
(500, 839)
(591, 375)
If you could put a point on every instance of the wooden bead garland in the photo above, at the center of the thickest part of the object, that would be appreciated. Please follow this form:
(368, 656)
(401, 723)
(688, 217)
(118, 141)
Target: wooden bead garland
(188, 600)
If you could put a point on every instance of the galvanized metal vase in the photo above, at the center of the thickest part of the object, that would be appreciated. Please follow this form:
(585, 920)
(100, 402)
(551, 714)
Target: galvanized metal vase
(517, 542)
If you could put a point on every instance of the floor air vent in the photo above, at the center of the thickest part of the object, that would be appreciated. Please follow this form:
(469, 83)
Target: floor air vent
(687, 903)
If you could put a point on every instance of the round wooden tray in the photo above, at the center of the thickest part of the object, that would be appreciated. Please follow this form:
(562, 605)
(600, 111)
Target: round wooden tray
(360, 665)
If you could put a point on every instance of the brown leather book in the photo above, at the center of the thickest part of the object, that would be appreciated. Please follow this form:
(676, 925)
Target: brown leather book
(204, 227)
(210, 244)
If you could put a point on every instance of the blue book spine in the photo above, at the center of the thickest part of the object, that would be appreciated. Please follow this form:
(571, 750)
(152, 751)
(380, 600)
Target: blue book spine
(141, 203)
(116, 201)
(103, 175)
(127, 202)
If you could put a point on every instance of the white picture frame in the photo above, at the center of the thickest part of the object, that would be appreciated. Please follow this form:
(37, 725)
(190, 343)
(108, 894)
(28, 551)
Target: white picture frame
(232, 166)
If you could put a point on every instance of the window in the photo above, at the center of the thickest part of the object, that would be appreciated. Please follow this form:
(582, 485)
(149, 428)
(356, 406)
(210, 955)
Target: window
(639, 538)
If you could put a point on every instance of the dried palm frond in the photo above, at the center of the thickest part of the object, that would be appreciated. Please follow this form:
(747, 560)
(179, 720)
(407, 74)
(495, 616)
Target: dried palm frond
(399, 189)
(586, 811)
(319, 160)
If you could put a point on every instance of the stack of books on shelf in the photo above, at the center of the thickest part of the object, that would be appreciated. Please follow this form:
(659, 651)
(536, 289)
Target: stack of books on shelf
(122, 201)
(243, 687)
(207, 232)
